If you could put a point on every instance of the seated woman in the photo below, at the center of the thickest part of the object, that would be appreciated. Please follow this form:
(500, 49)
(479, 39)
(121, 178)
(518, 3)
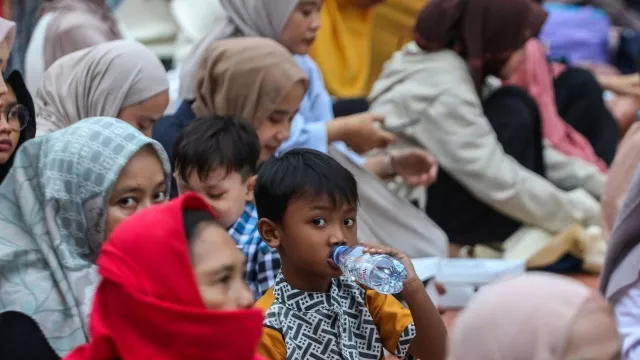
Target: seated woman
(293, 23)
(19, 122)
(66, 26)
(172, 289)
(257, 79)
(575, 119)
(620, 282)
(63, 197)
(254, 79)
(490, 150)
(535, 316)
(127, 81)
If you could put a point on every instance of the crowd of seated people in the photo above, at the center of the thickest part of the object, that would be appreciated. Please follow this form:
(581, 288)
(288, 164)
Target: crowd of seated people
(134, 230)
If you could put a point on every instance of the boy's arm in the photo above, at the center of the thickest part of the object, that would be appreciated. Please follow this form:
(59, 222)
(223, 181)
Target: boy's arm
(430, 342)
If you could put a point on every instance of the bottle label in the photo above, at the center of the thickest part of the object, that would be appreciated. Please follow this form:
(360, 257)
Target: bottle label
(362, 275)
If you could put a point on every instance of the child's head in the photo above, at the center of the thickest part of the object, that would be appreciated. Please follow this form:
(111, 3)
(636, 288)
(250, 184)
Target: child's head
(307, 204)
(218, 265)
(302, 26)
(216, 157)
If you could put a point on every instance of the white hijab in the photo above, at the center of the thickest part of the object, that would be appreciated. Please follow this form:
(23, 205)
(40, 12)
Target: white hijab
(256, 18)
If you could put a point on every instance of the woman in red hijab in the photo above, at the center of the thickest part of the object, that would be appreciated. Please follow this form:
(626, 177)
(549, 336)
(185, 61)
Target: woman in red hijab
(172, 289)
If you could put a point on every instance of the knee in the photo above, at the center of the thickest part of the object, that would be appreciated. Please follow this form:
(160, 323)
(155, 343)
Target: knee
(582, 81)
(514, 105)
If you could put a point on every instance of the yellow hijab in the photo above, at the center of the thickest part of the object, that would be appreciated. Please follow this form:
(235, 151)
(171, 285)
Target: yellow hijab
(343, 47)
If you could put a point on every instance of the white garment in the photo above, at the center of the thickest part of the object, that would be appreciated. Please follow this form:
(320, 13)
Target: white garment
(627, 309)
(437, 88)
(195, 18)
(34, 58)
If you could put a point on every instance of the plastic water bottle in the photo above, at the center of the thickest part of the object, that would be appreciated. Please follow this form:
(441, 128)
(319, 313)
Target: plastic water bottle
(382, 273)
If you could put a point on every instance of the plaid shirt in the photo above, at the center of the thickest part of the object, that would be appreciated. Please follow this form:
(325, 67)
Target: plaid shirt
(263, 262)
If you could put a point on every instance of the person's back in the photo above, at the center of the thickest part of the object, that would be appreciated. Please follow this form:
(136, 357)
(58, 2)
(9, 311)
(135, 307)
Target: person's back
(490, 149)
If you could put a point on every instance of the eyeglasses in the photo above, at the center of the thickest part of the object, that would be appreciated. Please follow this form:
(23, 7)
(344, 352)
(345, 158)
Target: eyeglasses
(17, 117)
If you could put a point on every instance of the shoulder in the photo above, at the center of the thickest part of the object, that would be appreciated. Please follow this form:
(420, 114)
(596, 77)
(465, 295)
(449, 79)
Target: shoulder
(266, 301)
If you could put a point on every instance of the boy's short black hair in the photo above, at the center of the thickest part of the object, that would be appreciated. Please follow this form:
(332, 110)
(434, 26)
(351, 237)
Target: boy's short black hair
(213, 142)
(298, 173)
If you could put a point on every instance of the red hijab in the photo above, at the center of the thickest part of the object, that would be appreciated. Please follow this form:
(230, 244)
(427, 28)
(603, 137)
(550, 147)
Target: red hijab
(148, 305)
(484, 32)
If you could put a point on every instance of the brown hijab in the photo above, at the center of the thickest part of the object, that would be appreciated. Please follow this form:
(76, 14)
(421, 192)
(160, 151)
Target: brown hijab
(484, 32)
(245, 77)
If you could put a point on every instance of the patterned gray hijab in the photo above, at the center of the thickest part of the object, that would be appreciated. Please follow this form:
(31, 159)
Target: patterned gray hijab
(52, 215)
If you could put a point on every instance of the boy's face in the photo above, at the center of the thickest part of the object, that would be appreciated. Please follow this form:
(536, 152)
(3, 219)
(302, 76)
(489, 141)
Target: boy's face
(226, 192)
(311, 228)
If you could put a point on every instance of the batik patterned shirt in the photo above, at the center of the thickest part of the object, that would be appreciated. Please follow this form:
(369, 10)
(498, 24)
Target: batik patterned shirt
(347, 323)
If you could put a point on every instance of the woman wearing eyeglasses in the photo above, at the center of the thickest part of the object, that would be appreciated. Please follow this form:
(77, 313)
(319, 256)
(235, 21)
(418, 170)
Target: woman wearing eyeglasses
(17, 123)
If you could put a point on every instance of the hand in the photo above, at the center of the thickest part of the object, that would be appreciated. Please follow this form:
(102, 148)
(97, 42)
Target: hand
(622, 84)
(362, 132)
(374, 249)
(417, 167)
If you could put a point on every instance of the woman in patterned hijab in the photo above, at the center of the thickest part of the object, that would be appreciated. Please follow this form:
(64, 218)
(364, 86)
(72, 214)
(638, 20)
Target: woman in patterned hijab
(63, 196)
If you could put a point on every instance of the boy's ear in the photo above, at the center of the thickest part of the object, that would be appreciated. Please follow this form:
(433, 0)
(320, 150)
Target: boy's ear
(269, 233)
(251, 185)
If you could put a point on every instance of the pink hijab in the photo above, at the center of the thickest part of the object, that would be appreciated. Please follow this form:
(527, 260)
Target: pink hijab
(536, 316)
(7, 31)
(535, 76)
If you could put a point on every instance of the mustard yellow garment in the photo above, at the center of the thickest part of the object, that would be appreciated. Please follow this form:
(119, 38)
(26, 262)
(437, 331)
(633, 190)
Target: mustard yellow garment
(343, 48)
(353, 43)
(392, 28)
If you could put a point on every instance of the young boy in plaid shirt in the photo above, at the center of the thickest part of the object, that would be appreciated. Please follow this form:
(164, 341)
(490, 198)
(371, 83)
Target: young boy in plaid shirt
(217, 158)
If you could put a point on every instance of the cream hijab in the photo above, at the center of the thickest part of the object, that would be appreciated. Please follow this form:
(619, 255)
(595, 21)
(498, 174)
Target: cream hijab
(98, 81)
(7, 32)
(241, 18)
(536, 316)
(245, 77)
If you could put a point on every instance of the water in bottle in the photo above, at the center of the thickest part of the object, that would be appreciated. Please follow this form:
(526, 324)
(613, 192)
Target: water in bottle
(382, 273)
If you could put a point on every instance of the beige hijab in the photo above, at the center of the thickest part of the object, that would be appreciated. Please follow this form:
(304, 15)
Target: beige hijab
(240, 18)
(7, 32)
(536, 316)
(245, 77)
(98, 81)
(93, 15)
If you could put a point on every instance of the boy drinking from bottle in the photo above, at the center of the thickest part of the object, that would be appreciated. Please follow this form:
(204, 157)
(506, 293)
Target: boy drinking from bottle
(307, 205)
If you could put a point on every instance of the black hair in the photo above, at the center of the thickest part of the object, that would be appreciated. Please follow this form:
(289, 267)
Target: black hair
(213, 142)
(298, 173)
(192, 219)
